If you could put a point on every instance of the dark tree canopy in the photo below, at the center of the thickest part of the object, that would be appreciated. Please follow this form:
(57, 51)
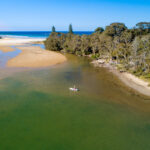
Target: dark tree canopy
(143, 25)
(70, 29)
(53, 29)
(115, 29)
(130, 48)
(99, 30)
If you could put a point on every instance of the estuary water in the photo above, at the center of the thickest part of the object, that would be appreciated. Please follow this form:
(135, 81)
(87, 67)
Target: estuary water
(38, 112)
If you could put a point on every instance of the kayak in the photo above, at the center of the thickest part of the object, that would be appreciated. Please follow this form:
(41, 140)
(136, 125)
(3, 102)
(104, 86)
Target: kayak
(74, 89)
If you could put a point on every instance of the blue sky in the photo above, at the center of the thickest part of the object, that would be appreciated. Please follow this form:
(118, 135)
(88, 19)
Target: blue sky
(27, 15)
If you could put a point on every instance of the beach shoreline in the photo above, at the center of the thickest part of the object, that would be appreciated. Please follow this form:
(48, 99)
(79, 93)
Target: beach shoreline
(6, 49)
(18, 41)
(128, 79)
(35, 57)
(30, 56)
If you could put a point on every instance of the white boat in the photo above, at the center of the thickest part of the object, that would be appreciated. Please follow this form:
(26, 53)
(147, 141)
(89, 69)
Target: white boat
(74, 89)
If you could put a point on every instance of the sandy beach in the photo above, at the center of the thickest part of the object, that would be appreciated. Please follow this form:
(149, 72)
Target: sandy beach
(128, 79)
(134, 82)
(17, 41)
(31, 57)
(6, 49)
(36, 57)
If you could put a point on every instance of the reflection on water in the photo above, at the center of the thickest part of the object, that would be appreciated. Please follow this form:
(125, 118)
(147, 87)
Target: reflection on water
(37, 110)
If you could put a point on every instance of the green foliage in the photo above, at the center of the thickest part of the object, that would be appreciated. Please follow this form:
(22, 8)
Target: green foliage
(147, 76)
(95, 56)
(130, 48)
(99, 30)
(53, 29)
(115, 29)
(143, 25)
(55, 41)
(70, 29)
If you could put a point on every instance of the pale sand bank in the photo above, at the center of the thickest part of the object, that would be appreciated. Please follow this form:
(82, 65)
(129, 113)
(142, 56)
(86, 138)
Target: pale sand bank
(17, 41)
(128, 79)
(134, 82)
(6, 49)
(36, 57)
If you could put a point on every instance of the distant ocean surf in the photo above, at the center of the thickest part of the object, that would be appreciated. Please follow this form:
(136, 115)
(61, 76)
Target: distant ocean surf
(34, 34)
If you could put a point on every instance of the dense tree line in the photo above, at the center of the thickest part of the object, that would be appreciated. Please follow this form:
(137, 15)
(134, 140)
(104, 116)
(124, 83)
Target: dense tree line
(129, 48)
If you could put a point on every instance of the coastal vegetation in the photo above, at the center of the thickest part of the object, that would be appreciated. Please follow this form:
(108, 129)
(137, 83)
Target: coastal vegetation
(53, 29)
(127, 49)
(70, 29)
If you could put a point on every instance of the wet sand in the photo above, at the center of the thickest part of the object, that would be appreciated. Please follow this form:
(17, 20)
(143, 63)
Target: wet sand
(128, 79)
(134, 82)
(6, 49)
(36, 57)
(31, 57)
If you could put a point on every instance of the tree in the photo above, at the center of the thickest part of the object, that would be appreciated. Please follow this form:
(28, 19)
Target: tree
(129, 48)
(115, 29)
(70, 29)
(143, 25)
(53, 29)
(99, 30)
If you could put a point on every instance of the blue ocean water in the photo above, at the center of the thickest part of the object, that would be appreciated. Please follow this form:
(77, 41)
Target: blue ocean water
(35, 34)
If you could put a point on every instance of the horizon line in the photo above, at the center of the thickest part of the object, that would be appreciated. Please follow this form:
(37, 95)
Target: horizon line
(56, 30)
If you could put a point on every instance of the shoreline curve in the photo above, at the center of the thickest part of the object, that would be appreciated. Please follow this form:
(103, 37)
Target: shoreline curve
(128, 79)
(34, 57)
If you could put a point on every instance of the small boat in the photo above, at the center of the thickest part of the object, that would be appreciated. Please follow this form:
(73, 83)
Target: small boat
(74, 89)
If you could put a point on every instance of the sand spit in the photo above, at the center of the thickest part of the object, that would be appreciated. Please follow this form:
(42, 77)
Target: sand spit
(6, 49)
(36, 57)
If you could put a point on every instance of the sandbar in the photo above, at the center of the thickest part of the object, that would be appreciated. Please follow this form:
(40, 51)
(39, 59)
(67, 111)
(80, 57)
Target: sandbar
(6, 49)
(34, 57)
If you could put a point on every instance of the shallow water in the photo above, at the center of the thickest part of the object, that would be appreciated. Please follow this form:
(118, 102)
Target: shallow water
(38, 112)
(5, 56)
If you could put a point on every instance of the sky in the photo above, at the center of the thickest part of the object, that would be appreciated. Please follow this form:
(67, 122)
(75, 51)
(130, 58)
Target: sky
(84, 15)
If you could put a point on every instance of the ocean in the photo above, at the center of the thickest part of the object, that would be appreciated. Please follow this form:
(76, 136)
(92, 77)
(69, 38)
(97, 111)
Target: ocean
(35, 34)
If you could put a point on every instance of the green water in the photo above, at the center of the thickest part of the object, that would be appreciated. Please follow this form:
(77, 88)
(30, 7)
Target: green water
(38, 112)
